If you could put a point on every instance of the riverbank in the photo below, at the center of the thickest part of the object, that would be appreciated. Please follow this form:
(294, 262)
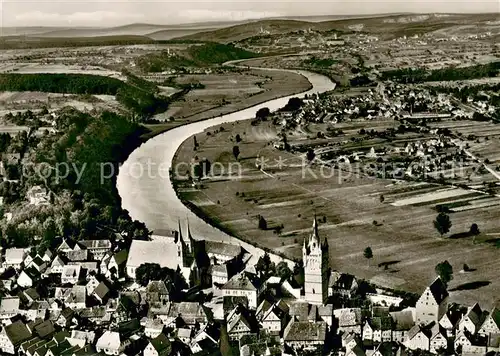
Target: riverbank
(283, 83)
(150, 196)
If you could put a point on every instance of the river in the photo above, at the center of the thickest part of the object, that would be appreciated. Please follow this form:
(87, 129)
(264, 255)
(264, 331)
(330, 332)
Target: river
(143, 181)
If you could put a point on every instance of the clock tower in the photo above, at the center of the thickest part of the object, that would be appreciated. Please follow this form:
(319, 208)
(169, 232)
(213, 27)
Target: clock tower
(316, 267)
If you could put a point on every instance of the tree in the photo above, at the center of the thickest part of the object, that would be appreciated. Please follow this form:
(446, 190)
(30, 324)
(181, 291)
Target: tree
(310, 155)
(382, 198)
(293, 104)
(265, 266)
(283, 270)
(442, 223)
(263, 113)
(238, 138)
(195, 143)
(236, 152)
(445, 271)
(474, 229)
(368, 254)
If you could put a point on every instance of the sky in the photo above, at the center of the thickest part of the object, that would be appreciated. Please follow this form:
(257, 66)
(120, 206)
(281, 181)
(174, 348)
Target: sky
(107, 13)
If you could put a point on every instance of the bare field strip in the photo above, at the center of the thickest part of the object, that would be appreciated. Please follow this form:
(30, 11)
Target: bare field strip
(347, 208)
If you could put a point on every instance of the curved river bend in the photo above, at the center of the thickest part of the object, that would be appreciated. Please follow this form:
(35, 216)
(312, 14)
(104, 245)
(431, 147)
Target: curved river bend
(144, 184)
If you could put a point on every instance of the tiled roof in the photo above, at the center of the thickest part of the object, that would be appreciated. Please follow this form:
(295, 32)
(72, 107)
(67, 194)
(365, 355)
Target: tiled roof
(17, 332)
(162, 252)
(242, 281)
(161, 343)
(438, 290)
(221, 248)
(95, 244)
(101, 290)
(403, 320)
(305, 331)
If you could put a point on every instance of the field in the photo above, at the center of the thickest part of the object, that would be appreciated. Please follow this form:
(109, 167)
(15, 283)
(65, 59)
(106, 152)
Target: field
(352, 216)
(228, 93)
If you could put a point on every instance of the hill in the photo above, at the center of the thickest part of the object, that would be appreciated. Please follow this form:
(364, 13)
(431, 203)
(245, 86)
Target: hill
(203, 55)
(243, 31)
(388, 25)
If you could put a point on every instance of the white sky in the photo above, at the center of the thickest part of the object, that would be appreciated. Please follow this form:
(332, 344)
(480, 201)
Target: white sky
(105, 13)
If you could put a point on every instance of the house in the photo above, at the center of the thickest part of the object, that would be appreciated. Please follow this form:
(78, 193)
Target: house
(403, 321)
(220, 275)
(77, 255)
(163, 252)
(14, 258)
(418, 338)
(438, 339)
(159, 346)
(275, 319)
(65, 317)
(71, 274)
(57, 265)
(185, 313)
(472, 320)
(96, 248)
(383, 349)
(463, 340)
(111, 343)
(96, 315)
(12, 336)
(115, 267)
(38, 195)
(66, 246)
(101, 292)
(92, 283)
(81, 338)
(77, 298)
(157, 293)
(28, 277)
(378, 329)
(300, 334)
(432, 304)
(449, 321)
(491, 324)
(9, 307)
(349, 320)
(221, 252)
(342, 284)
(244, 285)
(241, 321)
(350, 340)
(185, 335)
(206, 339)
(153, 328)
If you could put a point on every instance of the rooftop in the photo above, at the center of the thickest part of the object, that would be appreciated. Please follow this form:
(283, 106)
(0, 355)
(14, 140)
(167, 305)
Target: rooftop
(162, 252)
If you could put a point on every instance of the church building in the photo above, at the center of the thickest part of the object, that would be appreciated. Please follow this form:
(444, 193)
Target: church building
(316, 267)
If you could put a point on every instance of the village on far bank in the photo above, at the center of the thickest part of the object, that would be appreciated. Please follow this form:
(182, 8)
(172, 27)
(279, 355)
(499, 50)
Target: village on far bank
(178, 295)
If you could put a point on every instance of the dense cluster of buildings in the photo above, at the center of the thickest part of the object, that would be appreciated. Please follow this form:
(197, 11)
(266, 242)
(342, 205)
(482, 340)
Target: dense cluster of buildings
(81, 299)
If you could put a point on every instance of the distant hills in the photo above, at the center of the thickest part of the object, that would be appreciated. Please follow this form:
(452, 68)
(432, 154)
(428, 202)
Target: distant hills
(390, 25)
(393, 24)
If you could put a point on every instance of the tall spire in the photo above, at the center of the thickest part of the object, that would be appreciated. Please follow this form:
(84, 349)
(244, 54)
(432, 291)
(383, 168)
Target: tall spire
(315, 234)
(180, 229)
(189, 236)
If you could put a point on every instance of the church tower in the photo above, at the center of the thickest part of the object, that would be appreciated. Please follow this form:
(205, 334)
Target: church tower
(316, 267)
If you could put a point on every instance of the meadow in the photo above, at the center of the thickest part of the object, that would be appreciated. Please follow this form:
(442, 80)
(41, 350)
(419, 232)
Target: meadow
(352, 215)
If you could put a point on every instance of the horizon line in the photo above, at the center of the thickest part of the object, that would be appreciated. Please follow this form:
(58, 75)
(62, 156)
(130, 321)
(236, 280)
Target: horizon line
(286, 17)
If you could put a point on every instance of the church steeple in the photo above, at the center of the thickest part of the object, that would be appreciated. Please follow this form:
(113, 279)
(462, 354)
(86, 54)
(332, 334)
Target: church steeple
(180, 230)
(315, 234)
(315, 256)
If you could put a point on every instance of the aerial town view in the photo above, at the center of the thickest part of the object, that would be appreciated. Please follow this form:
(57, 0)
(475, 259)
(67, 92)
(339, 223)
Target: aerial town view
(250, 178)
